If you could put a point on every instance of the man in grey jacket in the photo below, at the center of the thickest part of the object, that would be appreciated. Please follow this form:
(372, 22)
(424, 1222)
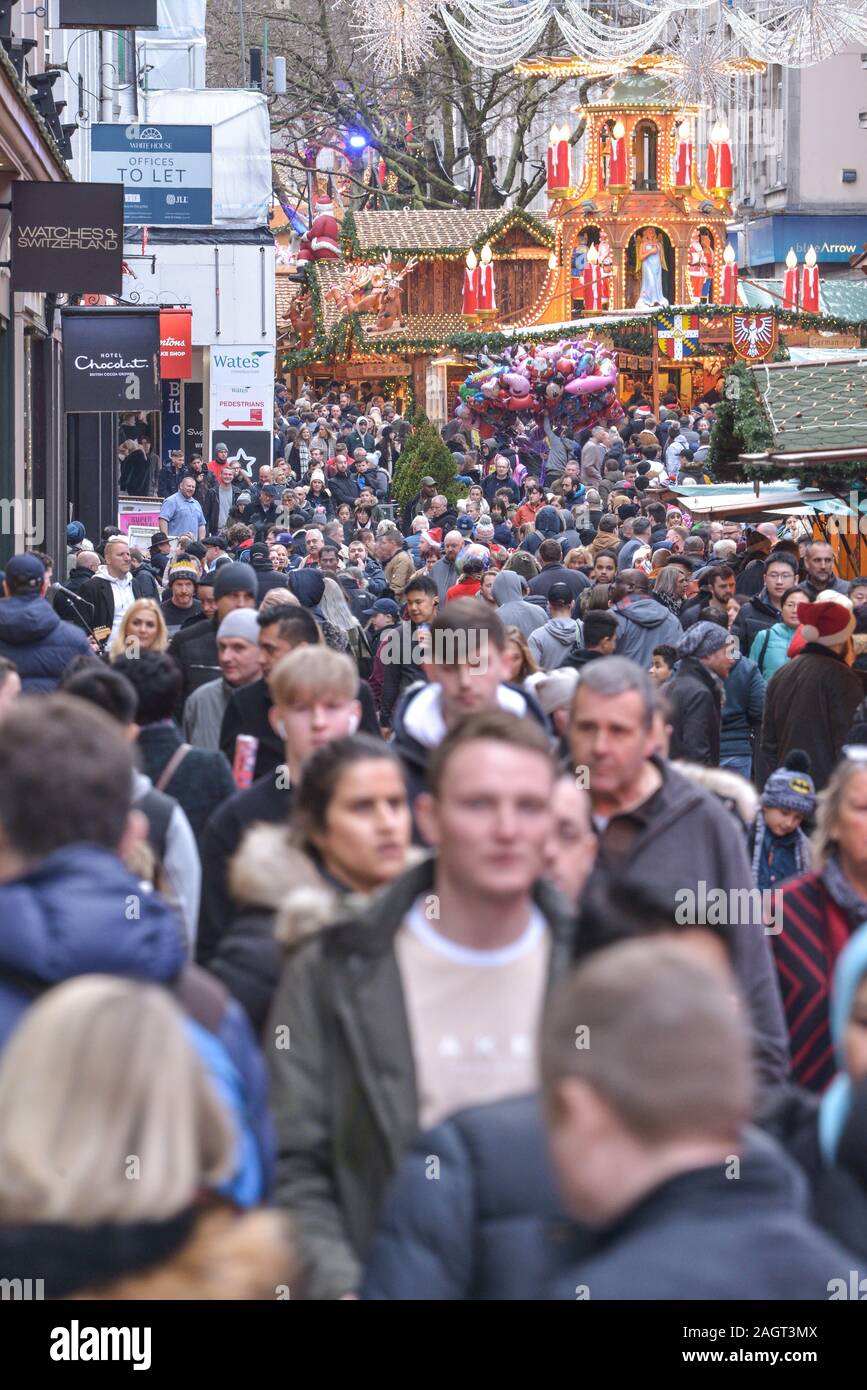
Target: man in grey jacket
(665, 831)
(643, 623)
(240, 663)
(444, 571)
(552, 644)
(512, 607)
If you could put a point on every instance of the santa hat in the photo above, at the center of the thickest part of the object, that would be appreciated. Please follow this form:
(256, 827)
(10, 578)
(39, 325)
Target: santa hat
(829, 621)
(323, 204)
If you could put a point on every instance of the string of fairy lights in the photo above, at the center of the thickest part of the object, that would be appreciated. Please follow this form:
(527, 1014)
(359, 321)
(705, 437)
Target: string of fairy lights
(701, 35)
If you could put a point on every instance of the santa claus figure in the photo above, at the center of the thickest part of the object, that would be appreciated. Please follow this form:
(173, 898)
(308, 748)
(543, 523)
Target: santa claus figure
(321, 241)
(701, 267)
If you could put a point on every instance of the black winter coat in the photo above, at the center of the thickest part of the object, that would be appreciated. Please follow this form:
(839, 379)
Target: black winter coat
(700, 1236)
(194, 648)
(810, 703)
(201, 782)
(100, 595)
(247, 713)
(696, 709)
(753, 618)
(491, 1226)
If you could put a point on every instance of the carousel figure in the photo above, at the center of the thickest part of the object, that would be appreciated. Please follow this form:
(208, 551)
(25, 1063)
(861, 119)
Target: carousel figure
(650, 258)
(701, 265)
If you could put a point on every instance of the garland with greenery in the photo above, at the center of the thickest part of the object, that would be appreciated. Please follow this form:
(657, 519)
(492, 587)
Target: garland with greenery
(740, 425)
(354, 251)
(628, 334)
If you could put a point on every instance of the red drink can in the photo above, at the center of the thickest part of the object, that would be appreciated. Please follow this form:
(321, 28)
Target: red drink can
(244, 762)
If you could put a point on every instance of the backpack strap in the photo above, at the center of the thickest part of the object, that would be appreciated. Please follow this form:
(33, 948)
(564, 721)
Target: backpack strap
(172, 766)
(761, 661)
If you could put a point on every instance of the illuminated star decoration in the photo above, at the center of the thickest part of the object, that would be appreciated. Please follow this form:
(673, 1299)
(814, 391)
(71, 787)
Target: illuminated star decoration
(398, 35)
(696, 63)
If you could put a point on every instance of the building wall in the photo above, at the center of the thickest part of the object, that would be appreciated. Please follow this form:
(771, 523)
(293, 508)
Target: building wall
(831, 138)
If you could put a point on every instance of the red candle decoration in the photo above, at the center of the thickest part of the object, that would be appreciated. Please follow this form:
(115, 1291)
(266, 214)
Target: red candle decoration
(730, 277)
(564, 176)
(470, 303)
(617, 157)
(791, 286)
(810, 283)
(724, 180)
(684, 157)
(710, 179)
(487, 287)
(552, 159)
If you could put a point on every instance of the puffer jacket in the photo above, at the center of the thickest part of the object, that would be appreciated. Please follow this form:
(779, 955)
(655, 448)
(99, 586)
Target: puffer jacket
(490, 1227)
(753, 618)
(80, 912)
(770, 648)
(282, 899)
(68, 916)
(743, 704)
(37, 642)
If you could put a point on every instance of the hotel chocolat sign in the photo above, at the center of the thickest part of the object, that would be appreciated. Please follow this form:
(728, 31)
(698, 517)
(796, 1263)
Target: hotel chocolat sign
(67, 237)
(111, 359)
(108, 14)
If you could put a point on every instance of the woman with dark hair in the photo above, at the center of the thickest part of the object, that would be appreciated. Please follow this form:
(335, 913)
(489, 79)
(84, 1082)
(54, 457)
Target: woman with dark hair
(350, 834)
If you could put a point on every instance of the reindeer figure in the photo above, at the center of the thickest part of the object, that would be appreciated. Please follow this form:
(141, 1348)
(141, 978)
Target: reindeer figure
(351, 294)
(389, 307)
(301, 317)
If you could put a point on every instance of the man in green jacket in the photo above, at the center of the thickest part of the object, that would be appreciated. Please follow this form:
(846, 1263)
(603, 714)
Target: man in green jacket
(423, 1003)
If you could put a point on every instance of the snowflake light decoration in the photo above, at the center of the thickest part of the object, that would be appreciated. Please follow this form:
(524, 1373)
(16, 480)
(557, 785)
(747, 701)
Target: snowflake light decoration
(398, 35)
(697, 63)
(799, 33)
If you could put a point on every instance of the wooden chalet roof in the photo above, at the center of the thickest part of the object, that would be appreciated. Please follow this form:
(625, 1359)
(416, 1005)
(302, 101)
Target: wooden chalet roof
(414, 231)
(814, 405)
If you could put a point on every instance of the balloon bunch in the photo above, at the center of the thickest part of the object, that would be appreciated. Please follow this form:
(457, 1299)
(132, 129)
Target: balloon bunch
(572, 382)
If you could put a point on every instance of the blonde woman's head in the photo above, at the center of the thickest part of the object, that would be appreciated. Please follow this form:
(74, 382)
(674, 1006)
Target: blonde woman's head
(106, 1113)
(142, 629)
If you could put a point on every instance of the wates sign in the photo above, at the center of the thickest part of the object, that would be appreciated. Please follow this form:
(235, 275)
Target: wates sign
(242, 397)
(67, 237)
(176, 344)
(111, 359)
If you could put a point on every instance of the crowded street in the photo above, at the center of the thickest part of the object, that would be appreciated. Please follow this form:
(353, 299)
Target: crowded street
(433, 665)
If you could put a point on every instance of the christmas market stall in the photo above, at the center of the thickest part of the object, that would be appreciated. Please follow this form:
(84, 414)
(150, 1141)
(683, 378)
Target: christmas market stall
(386, 311)
(803, 421)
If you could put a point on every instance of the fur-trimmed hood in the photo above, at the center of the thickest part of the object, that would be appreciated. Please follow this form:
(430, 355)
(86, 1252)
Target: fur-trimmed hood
(269, 874)
(227, 1257)
(739, 794)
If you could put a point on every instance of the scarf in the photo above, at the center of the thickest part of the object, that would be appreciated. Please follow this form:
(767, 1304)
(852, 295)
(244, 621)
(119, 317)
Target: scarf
(847, 898)
(668, 601)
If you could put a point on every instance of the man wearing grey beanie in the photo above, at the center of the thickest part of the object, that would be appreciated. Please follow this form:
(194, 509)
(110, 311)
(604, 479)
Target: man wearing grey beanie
(194, 647)
(696, 693)
(239, 663)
